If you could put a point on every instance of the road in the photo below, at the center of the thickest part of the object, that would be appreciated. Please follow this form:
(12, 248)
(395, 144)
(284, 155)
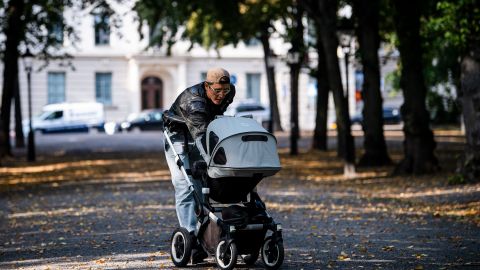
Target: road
(152, 141)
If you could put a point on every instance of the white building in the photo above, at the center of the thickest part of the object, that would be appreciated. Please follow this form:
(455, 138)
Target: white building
(121, 73)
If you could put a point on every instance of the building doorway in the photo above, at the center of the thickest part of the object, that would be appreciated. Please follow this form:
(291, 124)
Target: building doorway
(152, 93)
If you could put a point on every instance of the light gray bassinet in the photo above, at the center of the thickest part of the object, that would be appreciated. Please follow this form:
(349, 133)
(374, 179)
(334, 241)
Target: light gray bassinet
(240, 147)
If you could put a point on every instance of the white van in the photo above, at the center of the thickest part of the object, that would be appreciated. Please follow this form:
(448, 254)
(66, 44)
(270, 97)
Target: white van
(68, 117)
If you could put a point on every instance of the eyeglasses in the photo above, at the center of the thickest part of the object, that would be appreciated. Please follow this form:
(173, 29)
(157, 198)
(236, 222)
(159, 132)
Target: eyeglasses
(217, 91)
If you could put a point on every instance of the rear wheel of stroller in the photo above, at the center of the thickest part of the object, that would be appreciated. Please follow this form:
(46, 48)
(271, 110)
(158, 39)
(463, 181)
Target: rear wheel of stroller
(250, 259)
(180, 247)
(272, 253)
(226, 259)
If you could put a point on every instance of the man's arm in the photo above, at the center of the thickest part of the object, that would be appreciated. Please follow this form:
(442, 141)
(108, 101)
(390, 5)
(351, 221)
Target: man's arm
(196, 117)
(196, 120)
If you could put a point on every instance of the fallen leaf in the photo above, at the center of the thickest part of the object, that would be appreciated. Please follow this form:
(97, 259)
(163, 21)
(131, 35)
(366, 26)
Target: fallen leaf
(388, 248)
(343, 256)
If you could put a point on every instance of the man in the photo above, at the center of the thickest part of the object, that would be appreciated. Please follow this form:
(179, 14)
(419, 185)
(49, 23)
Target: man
(197, 106)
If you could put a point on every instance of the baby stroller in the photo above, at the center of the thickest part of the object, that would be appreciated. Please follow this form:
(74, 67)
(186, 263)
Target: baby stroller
(232, 219)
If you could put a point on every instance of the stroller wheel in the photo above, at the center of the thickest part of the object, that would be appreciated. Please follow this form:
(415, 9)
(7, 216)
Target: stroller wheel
(272, 253)
(250, 259)
(180, 247)
(226, 259)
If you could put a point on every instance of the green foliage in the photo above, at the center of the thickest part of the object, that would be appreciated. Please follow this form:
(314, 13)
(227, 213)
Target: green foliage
(456, 179)
(214, 24)
(442, 106)
(441, 99)
(44, 26)
(164, 19)
(41, 19)
(448, 29)
(393, 79)
(457, 22)
(386, 24)
(292, 25)
(208, 23)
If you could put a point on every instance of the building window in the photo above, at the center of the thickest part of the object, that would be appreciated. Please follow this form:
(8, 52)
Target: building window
(102, 28)
(203, 76)
(253, 42)
(253, 86)
(56, 87)
(103, 87)
(56, 32)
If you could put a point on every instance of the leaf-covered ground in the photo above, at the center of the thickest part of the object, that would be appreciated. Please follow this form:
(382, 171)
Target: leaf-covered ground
(116, 211)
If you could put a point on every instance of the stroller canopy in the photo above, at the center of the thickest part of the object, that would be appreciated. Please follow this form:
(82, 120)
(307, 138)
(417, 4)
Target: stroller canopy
(240, 147)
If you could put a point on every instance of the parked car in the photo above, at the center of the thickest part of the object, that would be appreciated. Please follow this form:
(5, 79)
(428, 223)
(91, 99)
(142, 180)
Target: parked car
(259, 112)
(145, 120)
(391, 115)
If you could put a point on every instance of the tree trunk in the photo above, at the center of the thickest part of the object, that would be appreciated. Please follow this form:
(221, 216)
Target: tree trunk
(294, 128)
(2, 149)
(272, 88)
(320, 138)
(367, 15)
(13, 31)
(469, 97)
(296, 50)
(324, 14)
(19, 138)
(419, 143)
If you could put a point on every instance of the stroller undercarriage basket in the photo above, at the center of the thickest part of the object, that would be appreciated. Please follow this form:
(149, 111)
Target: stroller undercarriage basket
(241, 216)
(231, 189)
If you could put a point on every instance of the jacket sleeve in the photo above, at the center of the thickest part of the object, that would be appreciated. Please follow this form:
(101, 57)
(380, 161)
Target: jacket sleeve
(196, 117)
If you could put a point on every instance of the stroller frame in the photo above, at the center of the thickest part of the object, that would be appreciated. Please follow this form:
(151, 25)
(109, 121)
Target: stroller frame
(233, 235)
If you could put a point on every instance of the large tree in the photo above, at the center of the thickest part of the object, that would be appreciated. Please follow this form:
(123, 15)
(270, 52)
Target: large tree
(14, 31)
(268, 58)
(19, 138)
(257, 21)
(324, 14)
(455, 28)
(419, 143)
(366, 14)
(294, 35)
(320, 138)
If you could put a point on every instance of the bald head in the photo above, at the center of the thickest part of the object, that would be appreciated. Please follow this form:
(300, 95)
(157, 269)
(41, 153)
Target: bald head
(218, 75)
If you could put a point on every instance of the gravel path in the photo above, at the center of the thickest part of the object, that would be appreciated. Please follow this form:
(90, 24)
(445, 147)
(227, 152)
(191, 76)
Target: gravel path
(124, 225)
(116, 224)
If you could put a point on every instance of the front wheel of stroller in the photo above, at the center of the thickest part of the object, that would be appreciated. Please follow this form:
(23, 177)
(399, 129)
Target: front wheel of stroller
(272, 253)
(226, 259)
(180, 247)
